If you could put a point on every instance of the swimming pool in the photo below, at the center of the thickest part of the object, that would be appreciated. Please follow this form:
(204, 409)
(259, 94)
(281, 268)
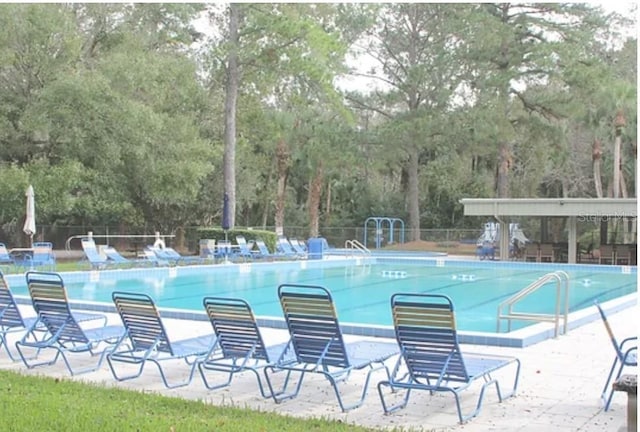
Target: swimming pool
(361, 287)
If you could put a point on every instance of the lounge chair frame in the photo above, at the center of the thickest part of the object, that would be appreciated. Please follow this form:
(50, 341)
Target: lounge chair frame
(42, 256)
(64, 335)
(96, 261)
(316, 345)
(245, 249)
(263, 250)
(146, 340)
(430, 356)
(239, 344)
(12, 321)
(5, 256)
(626, 356)
(172, 257)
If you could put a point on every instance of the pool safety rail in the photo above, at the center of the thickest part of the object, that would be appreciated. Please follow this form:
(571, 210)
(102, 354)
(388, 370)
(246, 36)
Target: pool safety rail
(158, 239)
(355, 245)
(562, 281)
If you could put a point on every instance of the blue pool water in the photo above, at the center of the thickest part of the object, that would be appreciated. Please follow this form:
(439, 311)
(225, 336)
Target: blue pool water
(362, 292)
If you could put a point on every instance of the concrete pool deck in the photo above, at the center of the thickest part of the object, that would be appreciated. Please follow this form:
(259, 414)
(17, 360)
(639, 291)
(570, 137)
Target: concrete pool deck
(560, 383)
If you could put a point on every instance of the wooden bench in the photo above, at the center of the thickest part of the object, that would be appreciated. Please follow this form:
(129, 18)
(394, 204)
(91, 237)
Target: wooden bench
(629, 385)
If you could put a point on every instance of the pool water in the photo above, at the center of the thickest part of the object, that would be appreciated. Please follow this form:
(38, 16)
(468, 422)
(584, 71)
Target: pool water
(362, 292)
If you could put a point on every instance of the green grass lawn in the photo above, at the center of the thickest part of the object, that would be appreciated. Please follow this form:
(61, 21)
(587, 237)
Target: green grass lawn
(61, 266)
(31, 403)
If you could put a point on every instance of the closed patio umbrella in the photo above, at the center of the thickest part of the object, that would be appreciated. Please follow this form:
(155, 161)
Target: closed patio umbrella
(225, 215)
(30, 220)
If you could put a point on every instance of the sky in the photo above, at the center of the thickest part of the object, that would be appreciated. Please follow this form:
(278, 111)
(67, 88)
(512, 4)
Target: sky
(626, 9)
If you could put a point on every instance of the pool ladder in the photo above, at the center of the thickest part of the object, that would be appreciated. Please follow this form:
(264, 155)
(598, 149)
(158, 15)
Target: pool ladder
(561, 279)
(355, 245)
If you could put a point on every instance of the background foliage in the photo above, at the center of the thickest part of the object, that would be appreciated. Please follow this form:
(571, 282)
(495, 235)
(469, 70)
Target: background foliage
(115, 113)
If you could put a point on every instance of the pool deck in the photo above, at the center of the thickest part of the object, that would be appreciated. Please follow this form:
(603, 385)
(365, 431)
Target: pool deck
(560, 383)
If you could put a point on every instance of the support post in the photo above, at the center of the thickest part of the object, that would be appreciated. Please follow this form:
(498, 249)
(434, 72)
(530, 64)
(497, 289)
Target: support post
(573, 245)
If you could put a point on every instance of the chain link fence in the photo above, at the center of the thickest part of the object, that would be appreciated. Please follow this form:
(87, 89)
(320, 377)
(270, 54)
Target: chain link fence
(187, 238)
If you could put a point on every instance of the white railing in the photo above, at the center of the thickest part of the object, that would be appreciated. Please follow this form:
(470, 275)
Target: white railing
(355, 245)
(157, 237)
(561, 279)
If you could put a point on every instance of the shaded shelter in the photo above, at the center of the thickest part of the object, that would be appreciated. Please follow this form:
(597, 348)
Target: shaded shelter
(572, 208)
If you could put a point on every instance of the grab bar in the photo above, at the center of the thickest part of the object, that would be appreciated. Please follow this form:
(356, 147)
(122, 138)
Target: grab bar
(562, 281)
(356, 245)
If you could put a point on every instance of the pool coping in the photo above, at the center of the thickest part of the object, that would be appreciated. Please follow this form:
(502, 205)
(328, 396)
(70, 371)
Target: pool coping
(519, 338)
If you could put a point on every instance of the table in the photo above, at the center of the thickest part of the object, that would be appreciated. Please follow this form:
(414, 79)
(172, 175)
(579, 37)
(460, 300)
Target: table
(21, 256)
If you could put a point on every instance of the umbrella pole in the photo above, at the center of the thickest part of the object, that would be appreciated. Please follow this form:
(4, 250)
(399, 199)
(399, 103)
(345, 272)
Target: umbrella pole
(227, 249)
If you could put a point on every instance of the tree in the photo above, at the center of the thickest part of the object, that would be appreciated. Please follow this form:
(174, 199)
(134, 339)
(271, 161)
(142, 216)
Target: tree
(414, 48)
(517, 47)
(273, 52)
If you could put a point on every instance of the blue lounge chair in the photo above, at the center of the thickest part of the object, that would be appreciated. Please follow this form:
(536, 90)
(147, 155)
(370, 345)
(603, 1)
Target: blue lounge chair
(263, 250)
(93, 256)
(245, 251)
(64, 333)
(239, 345)
(626, 356)
(299, 247)
(43, 255)
(285, 249)
(153, 259)
(12, 321)
(430, 356)
(207, 249)
(117, 260)
(173, 257)
(5, 256)
(318, 346)
(225, 251)
(146, 340)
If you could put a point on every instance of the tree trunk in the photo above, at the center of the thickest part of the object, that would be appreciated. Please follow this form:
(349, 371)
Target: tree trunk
(282, 166)
(616, 166)
(315, 193)
(504, 164)
(230, 103)
(327, 208)
(267, 199)
(596, 155)
(413, 195)
(619, 123)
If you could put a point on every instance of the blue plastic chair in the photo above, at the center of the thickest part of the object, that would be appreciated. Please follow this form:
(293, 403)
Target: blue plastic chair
(42, 256)
(299, 247)
(285, 249)
(153, 259)
(244, 249)
(146, 340)
(64, 335)
(239, 345)
(318, 347)
(263, 250)
(117, 260)
(5, 256)
(224, 251)
(174, 257)
(626, 355)
(12, 321)
(430, 355)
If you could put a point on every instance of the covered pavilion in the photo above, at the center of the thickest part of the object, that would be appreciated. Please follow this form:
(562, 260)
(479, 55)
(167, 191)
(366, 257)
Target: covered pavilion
(572, 208)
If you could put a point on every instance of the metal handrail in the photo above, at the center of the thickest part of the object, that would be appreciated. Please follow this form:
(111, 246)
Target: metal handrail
(356, 245)
(156, 236)
(562, 280)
